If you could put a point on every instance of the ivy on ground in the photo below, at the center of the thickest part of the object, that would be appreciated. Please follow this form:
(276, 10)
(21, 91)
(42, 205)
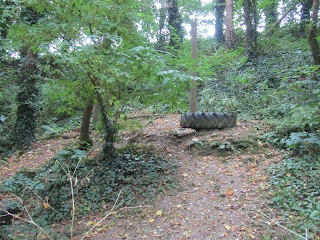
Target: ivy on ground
(138, 171)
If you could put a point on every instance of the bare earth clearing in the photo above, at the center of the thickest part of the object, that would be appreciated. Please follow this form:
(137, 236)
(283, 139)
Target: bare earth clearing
(223, 177)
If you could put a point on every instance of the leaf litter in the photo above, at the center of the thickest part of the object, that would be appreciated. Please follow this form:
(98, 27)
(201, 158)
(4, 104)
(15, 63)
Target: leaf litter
(221, 194)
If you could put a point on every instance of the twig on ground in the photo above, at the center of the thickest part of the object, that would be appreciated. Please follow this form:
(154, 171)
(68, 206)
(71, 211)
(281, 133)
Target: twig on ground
(102, 219)
(112, 212)
(273, 220)
(25, 220)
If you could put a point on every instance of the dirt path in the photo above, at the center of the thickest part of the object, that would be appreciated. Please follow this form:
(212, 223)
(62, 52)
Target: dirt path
(222, 176)
(222, 189)
(41, 152)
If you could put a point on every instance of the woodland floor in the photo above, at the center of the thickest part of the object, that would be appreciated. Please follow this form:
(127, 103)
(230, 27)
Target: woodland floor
(223, 192)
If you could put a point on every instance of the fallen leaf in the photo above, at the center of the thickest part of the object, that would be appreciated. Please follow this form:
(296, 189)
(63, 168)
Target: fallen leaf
(229, 192)
(159, 213)
(227, 227)
(151, 220)
(45, 205)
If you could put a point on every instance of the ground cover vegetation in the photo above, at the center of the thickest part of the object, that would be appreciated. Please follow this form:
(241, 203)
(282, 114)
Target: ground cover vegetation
(64, 61)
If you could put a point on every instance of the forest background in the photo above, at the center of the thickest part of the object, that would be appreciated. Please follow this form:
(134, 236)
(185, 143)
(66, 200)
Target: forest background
(64, 60)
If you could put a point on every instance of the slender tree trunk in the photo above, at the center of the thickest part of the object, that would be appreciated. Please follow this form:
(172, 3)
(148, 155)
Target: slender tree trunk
(219, 14)
(312, 37)
(109, 131)
(250, 19)
(25, 126)
(230, 32)
(305, 15)
(194, 57)
(85, 139)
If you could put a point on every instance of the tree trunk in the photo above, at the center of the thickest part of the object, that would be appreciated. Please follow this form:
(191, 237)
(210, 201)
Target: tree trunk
(230, 33)
(312, 37)
(271, 12)
(109, 131)
(85, 140)
(194, 57)
(25, 126)
(305, 15)
(161, 38)
(219, 14)
(95, 114)
(250, 19)
(175, 24)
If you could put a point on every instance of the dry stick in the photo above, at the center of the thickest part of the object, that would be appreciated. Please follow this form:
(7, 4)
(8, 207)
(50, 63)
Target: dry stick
(47, 204)
(102, 219)
(73, 203)
(25, 220)
(278, 224)
(70, 177)
(110, 212)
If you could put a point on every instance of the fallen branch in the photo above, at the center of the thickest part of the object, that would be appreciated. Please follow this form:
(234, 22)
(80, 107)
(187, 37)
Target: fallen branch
(286, 229)
(110, 213)
(105, 217)
(147, 116)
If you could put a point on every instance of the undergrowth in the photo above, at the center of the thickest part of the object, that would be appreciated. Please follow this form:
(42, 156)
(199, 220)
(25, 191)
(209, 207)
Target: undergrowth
(296, 193)
(281, 87)
(138, 172)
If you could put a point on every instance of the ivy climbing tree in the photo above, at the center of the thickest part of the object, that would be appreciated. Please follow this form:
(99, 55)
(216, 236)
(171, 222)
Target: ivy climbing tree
(28, 77)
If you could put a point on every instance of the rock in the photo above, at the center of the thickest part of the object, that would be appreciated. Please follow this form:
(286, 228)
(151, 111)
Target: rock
(182, 132)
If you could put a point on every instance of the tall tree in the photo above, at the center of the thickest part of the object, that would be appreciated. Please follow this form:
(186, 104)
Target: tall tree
(219, 9)
(26, 115)
(174, 24)
(230, 32)
(24, 132)
(250, 19)
(312, 37)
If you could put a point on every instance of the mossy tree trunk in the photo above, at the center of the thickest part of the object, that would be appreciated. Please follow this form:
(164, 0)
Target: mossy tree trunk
(305, 15)
(25, 126)
(109, 127)
(250, 19)
(219, 9)
(175, 24)
(161, 38)
(312, 37)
